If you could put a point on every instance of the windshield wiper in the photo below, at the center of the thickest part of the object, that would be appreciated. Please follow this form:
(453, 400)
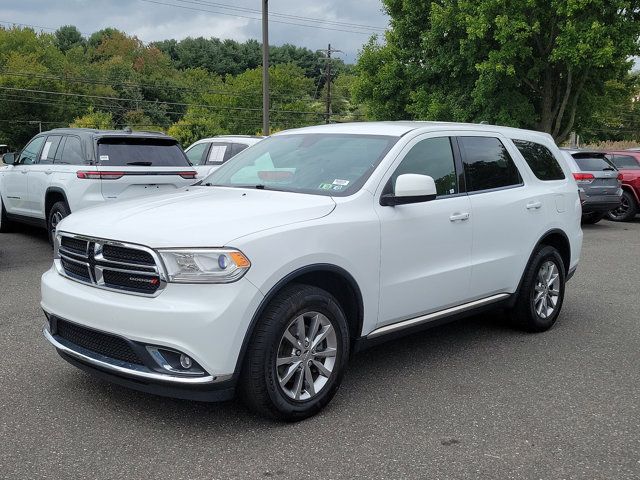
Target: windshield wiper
(140, 164)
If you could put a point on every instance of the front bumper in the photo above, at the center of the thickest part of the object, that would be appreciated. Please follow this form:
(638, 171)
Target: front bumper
(206, 322)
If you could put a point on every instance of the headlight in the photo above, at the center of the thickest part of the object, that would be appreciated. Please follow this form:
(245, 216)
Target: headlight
(204, 265)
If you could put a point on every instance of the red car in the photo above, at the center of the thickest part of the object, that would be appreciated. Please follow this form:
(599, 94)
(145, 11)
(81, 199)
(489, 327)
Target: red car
(628, 162)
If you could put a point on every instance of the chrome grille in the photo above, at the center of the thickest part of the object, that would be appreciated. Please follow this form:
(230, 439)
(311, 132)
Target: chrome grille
(109, 264)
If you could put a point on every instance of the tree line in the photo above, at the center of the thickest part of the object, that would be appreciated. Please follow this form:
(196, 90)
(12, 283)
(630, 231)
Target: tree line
(190, 88)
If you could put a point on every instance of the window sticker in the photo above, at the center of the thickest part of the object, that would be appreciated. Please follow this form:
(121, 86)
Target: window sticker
(342, 183)
(45, 151)
(104, 158)
(338, 187)
(325, 186)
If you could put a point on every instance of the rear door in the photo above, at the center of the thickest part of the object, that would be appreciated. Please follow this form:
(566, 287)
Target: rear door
(506, 214)
(40, 175)
(134, 166)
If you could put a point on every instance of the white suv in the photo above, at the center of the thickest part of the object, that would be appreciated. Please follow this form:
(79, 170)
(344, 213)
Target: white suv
(209, 153)
(68, 169)
(313, 244)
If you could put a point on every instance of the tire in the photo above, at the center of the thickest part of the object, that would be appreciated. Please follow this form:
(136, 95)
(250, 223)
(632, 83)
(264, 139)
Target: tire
(528, 312)
(283, 392)
(5, 223)
(58, 211)
(626, 211)
(592, 218)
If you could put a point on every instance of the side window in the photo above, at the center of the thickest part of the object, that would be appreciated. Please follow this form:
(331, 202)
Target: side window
(540, 159)
(432, 157)
(217, 153)
(625, 162)
(50, 148)
(487, 164)
(72, 153)
(28, 156)
(232, 150)
(196, 153)
(236, 148)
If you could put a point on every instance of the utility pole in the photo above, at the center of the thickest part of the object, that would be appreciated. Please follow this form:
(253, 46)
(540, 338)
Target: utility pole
(265, 67)
(328, 52)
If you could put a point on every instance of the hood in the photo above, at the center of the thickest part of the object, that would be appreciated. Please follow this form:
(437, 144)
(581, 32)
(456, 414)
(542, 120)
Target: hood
(196, 216)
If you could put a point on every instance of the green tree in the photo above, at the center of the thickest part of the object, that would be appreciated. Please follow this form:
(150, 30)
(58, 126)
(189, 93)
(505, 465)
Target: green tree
(67, 37)
(93, 119)
(530, 63)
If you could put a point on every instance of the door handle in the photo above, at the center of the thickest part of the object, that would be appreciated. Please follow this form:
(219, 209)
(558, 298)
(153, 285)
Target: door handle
(48, 172)
(24, 172)
(459, 217)
(534, 205)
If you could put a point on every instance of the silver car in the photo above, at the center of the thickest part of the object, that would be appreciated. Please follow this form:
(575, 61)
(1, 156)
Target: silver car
(599, 181)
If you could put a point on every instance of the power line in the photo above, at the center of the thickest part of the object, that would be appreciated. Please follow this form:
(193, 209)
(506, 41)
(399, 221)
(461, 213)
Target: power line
(227, 6)
(85, 80)
(255, 18)
(118, 99)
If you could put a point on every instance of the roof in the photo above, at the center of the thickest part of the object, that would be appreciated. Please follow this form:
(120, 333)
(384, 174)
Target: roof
(399, 128)
(97, 133)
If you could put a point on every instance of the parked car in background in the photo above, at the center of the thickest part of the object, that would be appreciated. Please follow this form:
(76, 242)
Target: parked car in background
(315, 243)
(68, 169)
(599, 181)
(209, 153)
(628, 163)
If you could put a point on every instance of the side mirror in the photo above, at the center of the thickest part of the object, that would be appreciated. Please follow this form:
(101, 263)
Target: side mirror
(9, 158)
(411, 188)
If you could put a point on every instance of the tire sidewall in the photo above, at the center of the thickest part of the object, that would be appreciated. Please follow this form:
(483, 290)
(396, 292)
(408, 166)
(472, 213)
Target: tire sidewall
(544, 255)
(61, 207)
(325, 305)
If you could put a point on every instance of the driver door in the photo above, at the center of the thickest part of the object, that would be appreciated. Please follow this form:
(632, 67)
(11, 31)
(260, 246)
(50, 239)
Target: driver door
(17, 178)
(425, 247)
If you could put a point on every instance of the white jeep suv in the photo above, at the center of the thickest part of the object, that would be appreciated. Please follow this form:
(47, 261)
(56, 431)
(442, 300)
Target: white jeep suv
(68, 169)
(307, 247)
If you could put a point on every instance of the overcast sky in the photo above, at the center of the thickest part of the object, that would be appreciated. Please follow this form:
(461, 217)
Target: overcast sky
(153, 21)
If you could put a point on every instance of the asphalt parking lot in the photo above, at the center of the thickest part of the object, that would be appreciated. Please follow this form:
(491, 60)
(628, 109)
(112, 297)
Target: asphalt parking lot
(473, 399)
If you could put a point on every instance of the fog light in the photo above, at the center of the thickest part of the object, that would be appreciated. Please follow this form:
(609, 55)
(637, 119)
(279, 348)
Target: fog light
(185, 362)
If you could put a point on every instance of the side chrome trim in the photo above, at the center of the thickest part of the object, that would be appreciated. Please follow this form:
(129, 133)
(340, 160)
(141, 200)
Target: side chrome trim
(412, 322)
(124, 368)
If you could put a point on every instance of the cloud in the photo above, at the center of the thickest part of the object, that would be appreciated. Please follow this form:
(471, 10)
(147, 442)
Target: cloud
(152, 21)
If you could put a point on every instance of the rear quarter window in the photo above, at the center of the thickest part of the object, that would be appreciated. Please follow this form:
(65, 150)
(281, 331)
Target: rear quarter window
(140, 152)
(540, 159)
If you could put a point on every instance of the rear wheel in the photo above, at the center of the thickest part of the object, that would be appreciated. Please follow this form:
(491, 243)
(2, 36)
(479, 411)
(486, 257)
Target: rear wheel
(58, 211)
(542, 291)
(626, 211)
(296, 357)
(5, 223)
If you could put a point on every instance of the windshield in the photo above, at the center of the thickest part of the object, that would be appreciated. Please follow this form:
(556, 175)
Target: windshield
(320, 164)
(140, 152)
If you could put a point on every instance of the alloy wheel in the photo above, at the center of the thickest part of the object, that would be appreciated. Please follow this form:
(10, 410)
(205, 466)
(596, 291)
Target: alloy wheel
(306, 356)
(547, 289)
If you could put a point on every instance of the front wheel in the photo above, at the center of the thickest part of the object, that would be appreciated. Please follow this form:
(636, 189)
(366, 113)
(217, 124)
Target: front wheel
(296, 357)
(626, 211)
(58, 211)
(541, 292)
